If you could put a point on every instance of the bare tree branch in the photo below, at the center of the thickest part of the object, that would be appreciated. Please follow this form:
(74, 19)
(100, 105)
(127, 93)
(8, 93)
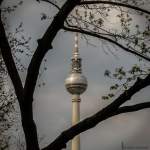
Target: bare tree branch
(1, 1)
(94, 34)
(52, 3)
(116, 4)
(133, 108)
(107, 112)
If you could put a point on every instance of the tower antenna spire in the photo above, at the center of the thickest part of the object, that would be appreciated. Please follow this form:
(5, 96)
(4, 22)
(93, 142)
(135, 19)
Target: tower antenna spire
(76, 46)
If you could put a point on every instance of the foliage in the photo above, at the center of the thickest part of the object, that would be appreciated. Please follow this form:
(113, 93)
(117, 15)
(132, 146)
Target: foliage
(123, 79)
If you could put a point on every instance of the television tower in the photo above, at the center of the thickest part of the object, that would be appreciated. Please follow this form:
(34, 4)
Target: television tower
(76, 84)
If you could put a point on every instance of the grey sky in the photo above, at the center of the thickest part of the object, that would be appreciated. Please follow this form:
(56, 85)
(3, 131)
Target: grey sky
(52, 105)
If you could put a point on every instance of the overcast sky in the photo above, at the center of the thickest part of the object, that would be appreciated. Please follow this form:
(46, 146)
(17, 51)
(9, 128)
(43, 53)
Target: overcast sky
(52, 103)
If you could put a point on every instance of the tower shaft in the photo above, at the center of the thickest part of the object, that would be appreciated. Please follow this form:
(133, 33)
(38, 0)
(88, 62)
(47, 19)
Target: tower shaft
(75, 145)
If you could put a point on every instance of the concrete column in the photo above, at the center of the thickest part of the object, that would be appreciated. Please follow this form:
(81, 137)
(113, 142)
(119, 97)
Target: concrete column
(75, 119)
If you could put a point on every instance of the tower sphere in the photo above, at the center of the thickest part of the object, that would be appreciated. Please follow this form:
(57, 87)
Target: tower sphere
(76, 83)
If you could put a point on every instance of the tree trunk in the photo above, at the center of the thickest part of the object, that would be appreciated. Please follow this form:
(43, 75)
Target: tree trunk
(29, 126)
